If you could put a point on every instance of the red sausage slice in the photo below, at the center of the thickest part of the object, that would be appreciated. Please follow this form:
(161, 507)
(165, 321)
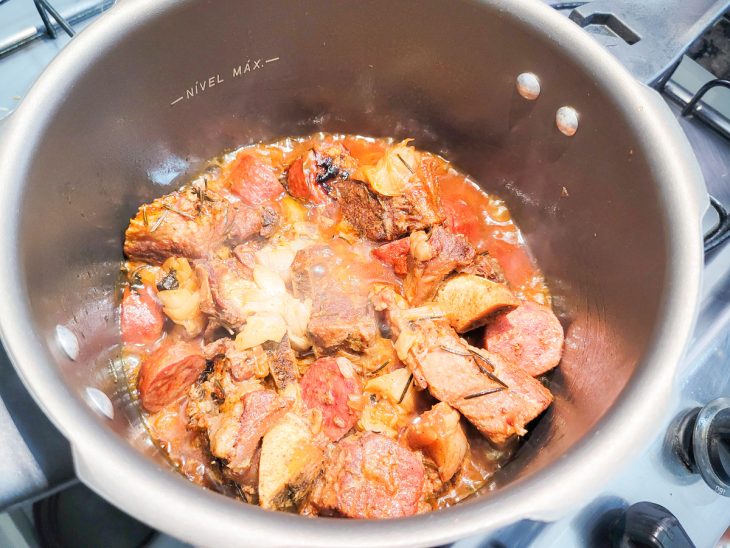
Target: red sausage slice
(168, 373)
(395, 254)
(530, 336)
(370, 476)
(325, 387)
(142, 317)
(253, 180)
(301, 180)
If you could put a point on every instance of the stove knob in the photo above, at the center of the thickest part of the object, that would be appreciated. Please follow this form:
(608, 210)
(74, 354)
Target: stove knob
(702, 441)
(646, 524)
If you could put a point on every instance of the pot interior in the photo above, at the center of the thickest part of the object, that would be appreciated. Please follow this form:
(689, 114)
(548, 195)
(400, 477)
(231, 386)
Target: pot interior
(148, 104)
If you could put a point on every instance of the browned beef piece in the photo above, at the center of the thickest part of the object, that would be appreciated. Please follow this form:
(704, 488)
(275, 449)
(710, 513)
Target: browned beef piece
(246, 254)
(240, 364)
(486, 266)
(431, 258)
(310, 269)
(385, 218)
(370, 476)
(233, 414)
(499, 398)
(223, 286)
(180, 224)
(261, 410)
(340, 319)
(282, 363)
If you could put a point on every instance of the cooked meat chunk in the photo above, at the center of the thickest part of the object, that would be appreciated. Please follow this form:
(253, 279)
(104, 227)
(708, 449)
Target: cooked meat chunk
(314, 175)
(340, 321)
(253, 179)
(269, 221)
(168, 373)
(234, 416)
(431, 258)
(370, 476)
(180, 224)
(396, 196)
(385, 218)
(240, 364)
(290, 463)
(310, 269)
(441, 436)
(340, 318)
(142, 320)
(261, 410)
(395, 254)
(529, 336)
(470, 301)
(246, 255)
(282, 363)
(496, 396)
(225, 284)
(486, 266)
(327, 386)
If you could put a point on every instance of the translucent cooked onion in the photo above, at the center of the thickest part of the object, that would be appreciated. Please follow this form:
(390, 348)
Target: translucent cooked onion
(260, 328)
(182, 305)
(296, 315)
(394, 171)
(403, 344)
(269, 281)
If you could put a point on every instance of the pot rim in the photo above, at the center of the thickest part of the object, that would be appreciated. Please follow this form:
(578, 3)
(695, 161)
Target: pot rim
(158, 496)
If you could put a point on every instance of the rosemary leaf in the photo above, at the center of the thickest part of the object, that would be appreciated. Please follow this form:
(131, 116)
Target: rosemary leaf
(378, 369)
(158, 222)
(181, 213)
(405, 389)
(483, 393)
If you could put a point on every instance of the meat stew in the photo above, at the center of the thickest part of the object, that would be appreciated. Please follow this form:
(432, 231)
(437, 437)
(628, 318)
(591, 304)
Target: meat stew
(335, 325)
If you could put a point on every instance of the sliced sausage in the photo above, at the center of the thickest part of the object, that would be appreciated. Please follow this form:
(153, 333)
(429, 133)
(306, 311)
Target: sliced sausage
(370, 476)
(168, 373)
(253, 180)
(395, 254)
(142, 318)
(530, 336)
(301, 182)
(327, 386)
(313, 176)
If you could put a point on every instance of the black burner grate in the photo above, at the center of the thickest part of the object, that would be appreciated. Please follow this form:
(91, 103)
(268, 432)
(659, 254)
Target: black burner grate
(51, 23)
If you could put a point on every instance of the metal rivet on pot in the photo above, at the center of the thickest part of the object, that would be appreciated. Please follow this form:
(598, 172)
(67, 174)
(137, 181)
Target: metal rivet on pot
(567, 120)
(100, 402)
(68, 341)
(528, 85)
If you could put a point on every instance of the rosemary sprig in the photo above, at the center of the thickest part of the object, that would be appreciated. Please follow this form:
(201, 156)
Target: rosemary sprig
(158, 222)
(476, 355)
(379, 368)
(454, 351)
(405, 389)
(422, 313)
(492, 377)
(409, 168)
(477, 352)
(181, 213)
(483, 393)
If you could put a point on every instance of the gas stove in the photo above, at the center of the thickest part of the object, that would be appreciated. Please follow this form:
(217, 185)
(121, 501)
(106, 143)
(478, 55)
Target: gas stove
(36, 460)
